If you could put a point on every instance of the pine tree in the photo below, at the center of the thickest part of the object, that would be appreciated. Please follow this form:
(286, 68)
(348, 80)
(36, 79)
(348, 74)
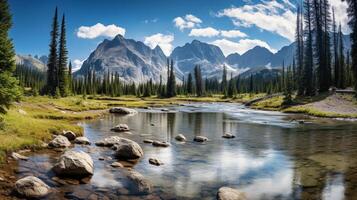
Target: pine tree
(299, 38)
(198, 81)
(308, 55)
(224, 81)
(52, 64)
(288, 89)
(189, 84)
(9, 90)
(335, 51)
(232, 90)
(352, 14)
(341, 83)
(62, 61)
(70, 79)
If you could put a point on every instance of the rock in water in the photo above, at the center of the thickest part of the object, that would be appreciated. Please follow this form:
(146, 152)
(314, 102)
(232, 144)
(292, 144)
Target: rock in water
(74, 163)
(128, 149)
(59, 142)
(226, 193)
(120, 128)
(180, 138)
(17, 156)
(160, 144)
(148, 141)
(31, 187)
(200, 138)
(117, 165)
(82, 140)
(141, 184)
(122, 110)
(155, 161)
(69, 135)
(109, 141)
(228, 136)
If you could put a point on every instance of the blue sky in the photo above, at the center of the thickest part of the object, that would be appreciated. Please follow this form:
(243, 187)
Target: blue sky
(233, 25)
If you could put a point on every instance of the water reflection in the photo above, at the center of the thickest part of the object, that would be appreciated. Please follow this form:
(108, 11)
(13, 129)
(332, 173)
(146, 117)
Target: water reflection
(271, 157)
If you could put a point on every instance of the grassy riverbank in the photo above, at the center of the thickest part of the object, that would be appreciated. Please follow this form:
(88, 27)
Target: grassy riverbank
(324, 105)
(34, 119)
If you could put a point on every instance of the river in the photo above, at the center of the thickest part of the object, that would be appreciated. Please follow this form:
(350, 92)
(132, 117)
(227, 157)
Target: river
(273, 156)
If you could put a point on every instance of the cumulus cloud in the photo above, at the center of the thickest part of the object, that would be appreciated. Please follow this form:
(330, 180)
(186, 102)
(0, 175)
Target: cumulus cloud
(204, 32)
(229, 47)
(233, 34)
(341, 14)
(77, 64)
(187, 22)
(164, 41)
(272, 16)
(91, 32)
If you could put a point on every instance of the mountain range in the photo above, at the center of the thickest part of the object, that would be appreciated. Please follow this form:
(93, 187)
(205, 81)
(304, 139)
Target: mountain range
(136, 62)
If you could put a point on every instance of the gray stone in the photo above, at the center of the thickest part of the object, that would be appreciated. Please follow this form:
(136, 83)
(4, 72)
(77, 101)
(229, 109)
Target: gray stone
(155, 161)
(109, 142)
(74, 163)
(200, 138)
(117, 165)
(226, 193)
(17, 156)
(120, 128)
(128, 149)
(160, 144)
(82, 140)
(59, 142)
(180, 138)
(31, 187)
(141, 184)
(228, 136)
(122, 110)
(148, 141)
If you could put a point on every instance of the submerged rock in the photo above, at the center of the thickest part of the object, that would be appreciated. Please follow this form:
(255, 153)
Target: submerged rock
(228, 136)
(155, 161)
(148, 141)
(128, 149)
(160, 144)
(17, 156)
(60, 141)
(109, 141)
(117, 165)
(226, 193)
(31, 187)
(82, 140)
(180, 138)
(122, 110)
(200, 138)
(141, 184)
(120, 128)
(74, 163)
(69, 135)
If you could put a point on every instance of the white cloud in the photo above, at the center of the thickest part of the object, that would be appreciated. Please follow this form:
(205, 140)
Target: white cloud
(341, 14)
(187, 22)
(91, 32)
(77, 64)
(229, 47)
(164, 41)
(272, 16)
(204, 32)
(233, 34)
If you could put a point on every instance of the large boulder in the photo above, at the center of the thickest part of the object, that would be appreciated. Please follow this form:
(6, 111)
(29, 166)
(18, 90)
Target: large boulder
(31, 187)
(122, 110)
(180, 138)
(226, 193)
(128, 149)
(74, 163)
(60, 141)
(120, 128)
(140, 183)
(82, 140)
(200, 138)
